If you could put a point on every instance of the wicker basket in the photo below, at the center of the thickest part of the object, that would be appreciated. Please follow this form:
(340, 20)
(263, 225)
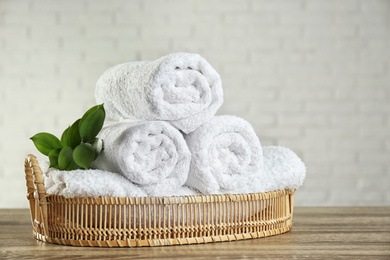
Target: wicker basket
(149, 221)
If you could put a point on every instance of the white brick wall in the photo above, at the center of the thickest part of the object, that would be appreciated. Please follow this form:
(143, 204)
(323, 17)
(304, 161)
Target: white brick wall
(310, 75)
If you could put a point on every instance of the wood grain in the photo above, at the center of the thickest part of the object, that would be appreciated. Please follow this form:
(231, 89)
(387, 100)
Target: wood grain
(347, 232)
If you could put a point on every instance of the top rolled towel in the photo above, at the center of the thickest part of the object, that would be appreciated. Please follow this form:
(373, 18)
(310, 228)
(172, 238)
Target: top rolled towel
(181, 88)
(226, 156)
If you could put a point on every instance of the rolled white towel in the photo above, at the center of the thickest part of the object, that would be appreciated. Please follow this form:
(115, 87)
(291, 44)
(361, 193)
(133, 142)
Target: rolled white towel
(88, 183)
(283, 169)
(181, 88)
(152, 154)
(226, 155)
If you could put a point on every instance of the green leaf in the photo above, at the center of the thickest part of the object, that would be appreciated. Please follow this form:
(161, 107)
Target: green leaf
(92, 109)
(92, 122)
(64, 135)
(53, 157)
(84, 155)
(65, 159)
(73, 137)
(46, 142)
(97, 145)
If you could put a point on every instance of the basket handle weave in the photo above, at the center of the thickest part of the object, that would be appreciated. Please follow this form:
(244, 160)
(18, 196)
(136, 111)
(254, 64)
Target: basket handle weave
(36, 194)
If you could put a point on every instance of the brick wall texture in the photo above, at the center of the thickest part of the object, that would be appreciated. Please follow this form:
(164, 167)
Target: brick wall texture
(310, 75)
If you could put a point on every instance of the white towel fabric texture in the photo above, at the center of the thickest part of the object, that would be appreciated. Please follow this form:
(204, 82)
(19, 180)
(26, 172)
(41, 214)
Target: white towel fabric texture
(152, 154)
(88, 183)
(226, 156)
(181, 88)
(283, 169)
(183, 191)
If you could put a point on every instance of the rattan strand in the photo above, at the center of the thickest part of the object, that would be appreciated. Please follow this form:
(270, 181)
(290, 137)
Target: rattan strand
(149, 221)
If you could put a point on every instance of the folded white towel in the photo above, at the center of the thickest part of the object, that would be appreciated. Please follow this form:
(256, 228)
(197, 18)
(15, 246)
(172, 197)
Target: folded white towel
(226, 155)
(183, 191)
(88, 183)
(152, 154)
(283, 169)
(181, 88)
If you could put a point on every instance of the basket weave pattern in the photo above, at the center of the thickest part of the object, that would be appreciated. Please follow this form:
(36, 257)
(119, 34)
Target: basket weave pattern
(154, 221)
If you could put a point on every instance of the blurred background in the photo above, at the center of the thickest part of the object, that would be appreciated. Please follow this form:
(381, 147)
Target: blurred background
(310, 75)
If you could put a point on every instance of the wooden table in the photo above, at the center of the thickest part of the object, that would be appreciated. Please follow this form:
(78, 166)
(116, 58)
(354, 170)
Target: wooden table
(348, 232)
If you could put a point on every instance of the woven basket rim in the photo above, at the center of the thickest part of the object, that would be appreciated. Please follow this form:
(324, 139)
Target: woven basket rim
(172, 200)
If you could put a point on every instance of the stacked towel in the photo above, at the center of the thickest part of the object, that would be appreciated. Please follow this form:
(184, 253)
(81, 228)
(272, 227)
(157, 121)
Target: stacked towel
(149, 156)
(152, 154)
(226, 156)
(180, 88)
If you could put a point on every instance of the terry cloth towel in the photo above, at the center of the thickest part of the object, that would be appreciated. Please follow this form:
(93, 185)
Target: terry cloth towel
(88, 183)
(181, 88)
(226, 155)
(283, 169)
(152, 154)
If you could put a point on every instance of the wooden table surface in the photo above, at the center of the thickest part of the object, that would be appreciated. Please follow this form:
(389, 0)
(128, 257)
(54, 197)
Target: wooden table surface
(337, 232)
